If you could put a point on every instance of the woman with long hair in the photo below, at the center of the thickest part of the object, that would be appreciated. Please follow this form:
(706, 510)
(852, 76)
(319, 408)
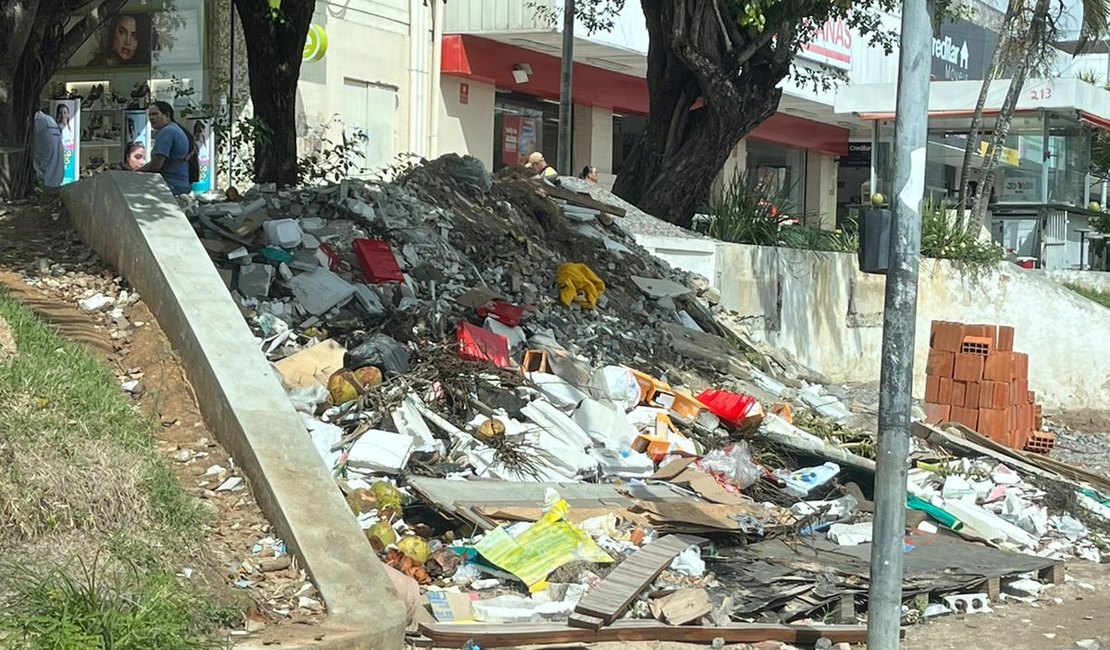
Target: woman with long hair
(174, 149)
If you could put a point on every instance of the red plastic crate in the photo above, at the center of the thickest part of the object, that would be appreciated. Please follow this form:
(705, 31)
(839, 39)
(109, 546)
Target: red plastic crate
(505, 312)
(377, 261)
(479, 344)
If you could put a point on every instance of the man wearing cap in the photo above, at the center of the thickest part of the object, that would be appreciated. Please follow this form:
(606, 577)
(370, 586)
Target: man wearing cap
(537, 164)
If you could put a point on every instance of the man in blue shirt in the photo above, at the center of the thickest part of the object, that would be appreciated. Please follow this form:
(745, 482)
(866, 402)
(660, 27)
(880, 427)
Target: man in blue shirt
(172, 149)
(49, 159)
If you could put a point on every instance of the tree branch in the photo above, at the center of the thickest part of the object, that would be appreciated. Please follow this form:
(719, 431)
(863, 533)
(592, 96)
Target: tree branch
(18, 30)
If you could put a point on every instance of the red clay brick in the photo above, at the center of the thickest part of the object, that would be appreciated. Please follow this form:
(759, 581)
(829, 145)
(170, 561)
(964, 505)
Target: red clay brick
(981, 345)
(940, 363)
(946, 336)
(971, 395)
(959, 393)
(1019, 392)
(1030, 397)
(937, 413)
(1005, 339)
(966, 417)
(932, 389)
(944, 396)
(992, 424)
(969, 367)
(1021, 365)
(999, 366)
(1038, 417)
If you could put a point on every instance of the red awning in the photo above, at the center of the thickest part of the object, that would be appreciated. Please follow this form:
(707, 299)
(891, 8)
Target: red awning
(1094, 120)
(801, 133)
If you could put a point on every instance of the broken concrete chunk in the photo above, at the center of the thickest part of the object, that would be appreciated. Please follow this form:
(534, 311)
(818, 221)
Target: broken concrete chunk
(658, 289)
(98, 302)
(255, 280)
(320, 290)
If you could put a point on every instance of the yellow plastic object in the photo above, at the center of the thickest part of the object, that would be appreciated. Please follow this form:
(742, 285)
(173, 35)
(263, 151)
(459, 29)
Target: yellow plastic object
(347, 385)
(415, 547)
(578, 283)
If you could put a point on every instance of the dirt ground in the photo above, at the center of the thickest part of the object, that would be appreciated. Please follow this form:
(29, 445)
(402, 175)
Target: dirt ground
(28, 233)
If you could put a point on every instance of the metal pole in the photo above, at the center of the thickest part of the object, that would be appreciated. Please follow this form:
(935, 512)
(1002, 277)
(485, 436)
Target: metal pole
(899, 324)
(563, 162)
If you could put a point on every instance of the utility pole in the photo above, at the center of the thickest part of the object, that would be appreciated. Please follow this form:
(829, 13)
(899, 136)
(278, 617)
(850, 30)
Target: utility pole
(563, 162)
(899, 325)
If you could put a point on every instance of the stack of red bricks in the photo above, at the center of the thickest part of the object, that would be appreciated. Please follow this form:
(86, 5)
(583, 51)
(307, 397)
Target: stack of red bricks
(974, 377)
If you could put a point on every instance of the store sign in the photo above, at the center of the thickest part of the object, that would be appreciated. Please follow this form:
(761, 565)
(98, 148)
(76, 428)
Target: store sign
(315, 44)
(67, 113)
(831, 45)
(961, 51)
(518, 139)
(1007, 156)
(859, 155)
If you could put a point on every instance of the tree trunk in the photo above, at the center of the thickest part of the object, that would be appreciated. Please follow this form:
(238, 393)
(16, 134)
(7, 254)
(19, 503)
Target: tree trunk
(274, 50)
(699, 108)
(971, 149)
(37, 37)
(1038, 33)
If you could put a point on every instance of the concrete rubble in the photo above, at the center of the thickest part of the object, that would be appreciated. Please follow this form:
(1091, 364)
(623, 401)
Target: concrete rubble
(491, 362)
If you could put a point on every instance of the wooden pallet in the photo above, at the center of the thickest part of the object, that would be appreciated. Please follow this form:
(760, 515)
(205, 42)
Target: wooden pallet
(608, 600)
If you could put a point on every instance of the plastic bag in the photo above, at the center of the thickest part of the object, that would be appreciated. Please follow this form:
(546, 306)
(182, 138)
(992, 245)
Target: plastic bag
(734, 462)
(378, 350)
(737, 410)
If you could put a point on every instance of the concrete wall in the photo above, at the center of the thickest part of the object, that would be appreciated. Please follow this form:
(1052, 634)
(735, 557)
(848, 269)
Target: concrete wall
(467, 128)
(1093, 280)
(134, 224)
(823, 310)
(592, 139)
(820, 203)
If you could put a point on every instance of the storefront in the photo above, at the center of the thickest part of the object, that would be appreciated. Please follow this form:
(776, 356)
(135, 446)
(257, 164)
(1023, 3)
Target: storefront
(151, 50)
(1041, 189)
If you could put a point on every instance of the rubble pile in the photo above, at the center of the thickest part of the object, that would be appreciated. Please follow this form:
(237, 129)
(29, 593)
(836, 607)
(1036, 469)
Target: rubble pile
(518, 402)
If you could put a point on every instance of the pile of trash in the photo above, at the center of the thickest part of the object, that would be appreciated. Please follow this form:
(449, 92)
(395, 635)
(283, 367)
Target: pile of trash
(515, 398)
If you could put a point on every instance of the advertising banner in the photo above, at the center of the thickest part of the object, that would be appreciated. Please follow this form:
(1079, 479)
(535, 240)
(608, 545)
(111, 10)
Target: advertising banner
(203, 133)
(136, 139)
(67, 113)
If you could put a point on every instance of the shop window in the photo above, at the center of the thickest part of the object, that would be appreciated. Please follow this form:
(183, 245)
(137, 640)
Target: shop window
(150, 50)
(370, 116)
(523, 124)
(781, 171)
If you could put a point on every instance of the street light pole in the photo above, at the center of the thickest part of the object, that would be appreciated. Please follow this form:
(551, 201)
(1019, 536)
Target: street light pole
(563, 162)
(899, 325)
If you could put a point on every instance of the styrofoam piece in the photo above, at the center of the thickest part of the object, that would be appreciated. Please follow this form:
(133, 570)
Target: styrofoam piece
(850, 534)
(956, 487)
(324, 437)
(561, 393)
(556, 423)
(515, 335)
(616, 384)
(284, 233)
(408, 421)
(320, 290)
(380, 451)
(606, 426)
(988, 524)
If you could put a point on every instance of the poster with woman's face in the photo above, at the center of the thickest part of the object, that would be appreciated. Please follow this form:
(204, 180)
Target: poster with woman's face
(123, 40)
(67, 113)
(136, 139)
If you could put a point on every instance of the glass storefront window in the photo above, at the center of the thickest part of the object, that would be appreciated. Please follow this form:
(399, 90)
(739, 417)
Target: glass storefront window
(523, 124)
(150, 50)
(1068, 161)
(779, 170)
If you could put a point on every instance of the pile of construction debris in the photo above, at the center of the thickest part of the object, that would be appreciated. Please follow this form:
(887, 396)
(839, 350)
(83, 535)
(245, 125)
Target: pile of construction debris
(514, 398)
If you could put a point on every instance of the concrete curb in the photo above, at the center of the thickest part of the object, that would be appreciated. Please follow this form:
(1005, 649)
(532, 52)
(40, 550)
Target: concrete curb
(133, 223)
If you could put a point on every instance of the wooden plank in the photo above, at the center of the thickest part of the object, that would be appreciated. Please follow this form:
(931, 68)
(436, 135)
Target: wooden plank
(684, 606)
(609, 599)
(584, 622)
(579, 199)
(502, 635)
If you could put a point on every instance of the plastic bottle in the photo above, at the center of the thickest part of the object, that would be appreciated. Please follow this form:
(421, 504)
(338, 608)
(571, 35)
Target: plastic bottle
(802, 482)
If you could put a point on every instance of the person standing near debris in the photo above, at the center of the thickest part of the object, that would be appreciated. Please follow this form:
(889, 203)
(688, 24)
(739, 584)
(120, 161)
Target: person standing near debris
(173, 148)
(589, 173)
(537, 164)
(49, 157)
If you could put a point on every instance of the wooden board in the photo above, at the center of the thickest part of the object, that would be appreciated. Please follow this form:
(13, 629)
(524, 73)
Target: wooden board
(609, 599)
(579, 199)
(502, 635)
(683, 606)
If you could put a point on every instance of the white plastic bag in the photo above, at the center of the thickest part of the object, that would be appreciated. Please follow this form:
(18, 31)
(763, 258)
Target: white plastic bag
(735, 462)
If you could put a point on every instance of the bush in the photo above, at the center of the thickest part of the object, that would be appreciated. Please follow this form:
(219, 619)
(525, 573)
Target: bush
(746, 213)
(949, 237)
